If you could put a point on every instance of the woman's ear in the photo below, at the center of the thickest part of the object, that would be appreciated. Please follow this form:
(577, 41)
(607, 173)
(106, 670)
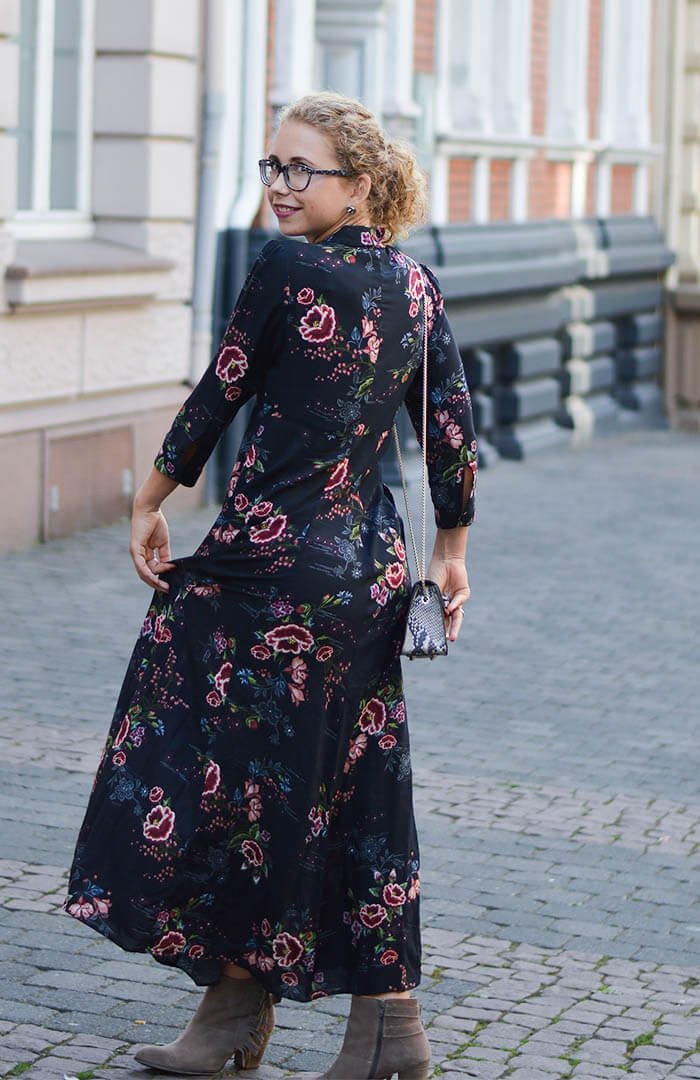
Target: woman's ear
(361, 187)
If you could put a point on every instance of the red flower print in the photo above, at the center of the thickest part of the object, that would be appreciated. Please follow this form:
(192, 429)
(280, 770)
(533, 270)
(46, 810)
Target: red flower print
(265, 928)
(359, 430)
(287, 949)
(206, 590)
(324, 653)
(195, 951)
(395, 575)
(289, 638)
(119, 758)
(213, 699)
(373, 716)
(338, 475)
(260, 652)
(159, 824)
(398, 712)
(83, 909)
(413, 309)
(222, 678)
(305, 296)
(298, 670)
(393, 895)
(170, 944)
(212, 779)
(372, 915)
(241, 501)
(289, 978)
(322, 993)
(261, 509)
(442, 418)
(389, 956)
(280, 608)
(415, 283)
(250, 457)
(387, 742)
(271, 529)
(454, 435)
(155, 794)
(122, 733)
(252, 852)
(231, 363)
(160, 631)
(232, 393)
(318, 324)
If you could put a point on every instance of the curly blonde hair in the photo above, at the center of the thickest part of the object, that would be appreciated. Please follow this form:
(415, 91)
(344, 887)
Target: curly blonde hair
(398, 198)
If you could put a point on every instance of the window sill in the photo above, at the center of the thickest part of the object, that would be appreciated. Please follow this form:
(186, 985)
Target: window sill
(76, 273)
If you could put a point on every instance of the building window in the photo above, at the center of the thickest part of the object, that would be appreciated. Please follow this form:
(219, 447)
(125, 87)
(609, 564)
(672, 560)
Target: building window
(56, 46)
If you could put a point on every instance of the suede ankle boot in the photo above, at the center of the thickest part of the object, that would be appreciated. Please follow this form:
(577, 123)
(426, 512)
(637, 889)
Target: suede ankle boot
(235, 1018)
(384, 1036)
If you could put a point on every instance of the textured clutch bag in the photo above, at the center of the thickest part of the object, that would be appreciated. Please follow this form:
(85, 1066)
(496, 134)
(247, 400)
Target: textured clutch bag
(425, 636)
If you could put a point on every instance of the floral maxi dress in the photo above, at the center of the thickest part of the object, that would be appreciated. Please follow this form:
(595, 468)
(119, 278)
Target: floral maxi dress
(254, 803)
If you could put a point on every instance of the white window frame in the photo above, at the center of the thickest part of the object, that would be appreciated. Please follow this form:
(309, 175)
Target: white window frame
(41, 221)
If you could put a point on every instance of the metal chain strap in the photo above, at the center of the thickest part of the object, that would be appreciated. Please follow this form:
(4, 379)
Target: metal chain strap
(420, 566)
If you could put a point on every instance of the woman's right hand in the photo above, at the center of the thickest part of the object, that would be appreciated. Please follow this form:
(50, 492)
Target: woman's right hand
(150, 546)
(450, 574)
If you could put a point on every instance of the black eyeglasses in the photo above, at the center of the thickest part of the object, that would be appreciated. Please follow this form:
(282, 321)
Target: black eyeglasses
(297, 176)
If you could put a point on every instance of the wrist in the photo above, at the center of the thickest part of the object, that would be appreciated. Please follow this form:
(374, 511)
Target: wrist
(143, 505)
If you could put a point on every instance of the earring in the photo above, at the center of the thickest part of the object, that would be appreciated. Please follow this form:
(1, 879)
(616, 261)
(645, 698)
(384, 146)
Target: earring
(350, 210)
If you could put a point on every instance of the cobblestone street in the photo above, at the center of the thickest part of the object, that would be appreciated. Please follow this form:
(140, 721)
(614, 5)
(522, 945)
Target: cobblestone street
(556, 768)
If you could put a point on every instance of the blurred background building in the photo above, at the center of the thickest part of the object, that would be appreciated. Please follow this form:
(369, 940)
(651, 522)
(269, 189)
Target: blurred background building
(562, 143)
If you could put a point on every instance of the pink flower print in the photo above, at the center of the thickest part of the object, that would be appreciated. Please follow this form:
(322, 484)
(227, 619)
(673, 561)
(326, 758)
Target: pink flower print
(265, 963)
(415, 283)
(119, 758)
(318, 324)
(102, 905)
(395, 575)
(287, 949)
(213, 699)
(399, 549)
(289, 978)
(260, 652)
(155, 794)
(280, 608)
(373, 717)
(240, 501)
(261, 509)
(305, 296)
(373, 343)
(372, 915)
(159, 824)
(122, 733)
(413, 309)
(231, 364)
(222, 678)
(160, 631)
(454, 435)
(83, 909)
(296, 693)
(356, 749)
(442, 418)
(393, 895)
(298, 671)
(265, 928)
(232, 393)
(338, 475)
(387, 742)
(272, 529)
(289, 638)
(250, 457)
(252, 852)
(212, 779)
(324, 653)
(398, 712)
(195, 951)
(389, 956)
(170, 944)
(254, 808)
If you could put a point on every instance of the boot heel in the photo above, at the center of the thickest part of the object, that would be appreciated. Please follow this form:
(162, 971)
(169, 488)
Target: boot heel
(415, 1072)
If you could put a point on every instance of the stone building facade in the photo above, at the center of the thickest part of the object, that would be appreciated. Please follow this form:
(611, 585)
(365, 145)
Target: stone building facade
(129, 136)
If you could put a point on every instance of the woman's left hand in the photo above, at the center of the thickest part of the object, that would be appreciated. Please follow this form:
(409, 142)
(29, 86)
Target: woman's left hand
(149, 534)
(450, 574)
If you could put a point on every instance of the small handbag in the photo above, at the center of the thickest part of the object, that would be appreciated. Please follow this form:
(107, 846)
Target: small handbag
(425, 634)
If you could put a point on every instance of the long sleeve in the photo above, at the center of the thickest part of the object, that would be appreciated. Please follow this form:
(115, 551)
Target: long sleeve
(451, 440)
(236, 373)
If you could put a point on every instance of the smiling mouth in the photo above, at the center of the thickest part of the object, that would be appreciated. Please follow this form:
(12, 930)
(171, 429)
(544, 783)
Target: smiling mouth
(282, 210)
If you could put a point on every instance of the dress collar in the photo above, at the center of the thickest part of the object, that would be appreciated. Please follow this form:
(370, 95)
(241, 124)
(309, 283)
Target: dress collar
(358, 236)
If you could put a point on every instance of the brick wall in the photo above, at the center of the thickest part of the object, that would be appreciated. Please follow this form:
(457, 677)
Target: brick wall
(622, 189)
(499, 192)
(424, 40)
(460, 189)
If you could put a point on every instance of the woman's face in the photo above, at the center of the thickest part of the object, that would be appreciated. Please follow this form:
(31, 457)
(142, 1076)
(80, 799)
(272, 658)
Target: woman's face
(322, 206)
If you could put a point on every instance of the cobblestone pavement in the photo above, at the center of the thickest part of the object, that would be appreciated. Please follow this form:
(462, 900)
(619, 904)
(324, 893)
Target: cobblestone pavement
(556, 765)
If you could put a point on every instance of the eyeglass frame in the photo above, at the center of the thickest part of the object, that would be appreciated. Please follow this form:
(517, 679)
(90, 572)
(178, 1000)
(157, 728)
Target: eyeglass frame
(284, 170)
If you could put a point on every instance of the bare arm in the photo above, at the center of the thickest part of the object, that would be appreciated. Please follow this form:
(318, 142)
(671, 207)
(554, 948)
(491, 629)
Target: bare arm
(149, 530)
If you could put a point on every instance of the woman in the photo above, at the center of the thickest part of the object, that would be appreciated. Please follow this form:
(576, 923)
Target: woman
(252, 815)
